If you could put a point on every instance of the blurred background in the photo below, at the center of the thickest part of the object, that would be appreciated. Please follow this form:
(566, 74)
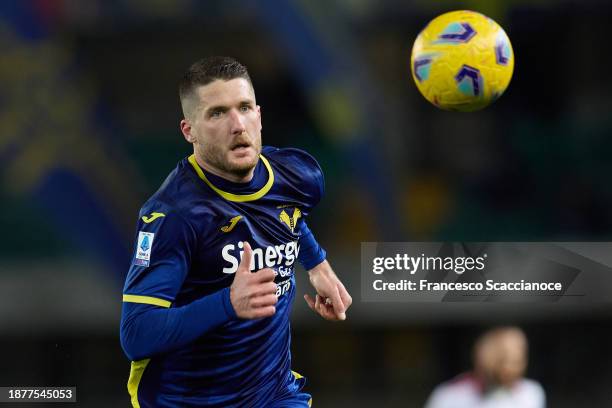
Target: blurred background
(89, 115)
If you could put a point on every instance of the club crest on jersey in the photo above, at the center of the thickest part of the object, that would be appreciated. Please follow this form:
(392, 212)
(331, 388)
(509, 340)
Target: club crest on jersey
(143, 248)
(290, 221)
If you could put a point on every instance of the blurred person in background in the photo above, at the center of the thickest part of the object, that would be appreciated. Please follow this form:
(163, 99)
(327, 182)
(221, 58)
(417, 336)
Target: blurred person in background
(207, 299)
(500, 361)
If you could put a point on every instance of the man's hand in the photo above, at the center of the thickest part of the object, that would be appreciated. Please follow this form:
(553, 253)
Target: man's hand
(332, 300)
(253, 295)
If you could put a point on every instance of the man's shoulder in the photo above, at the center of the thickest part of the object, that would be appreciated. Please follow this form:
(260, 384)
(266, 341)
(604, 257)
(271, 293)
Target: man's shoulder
(462, 384)
(531, 389)
(289, 155)
(178, 194)
(299, 169)
(462, 391)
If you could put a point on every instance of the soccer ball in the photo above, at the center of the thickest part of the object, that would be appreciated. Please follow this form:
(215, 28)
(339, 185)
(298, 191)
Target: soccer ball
(462, 61)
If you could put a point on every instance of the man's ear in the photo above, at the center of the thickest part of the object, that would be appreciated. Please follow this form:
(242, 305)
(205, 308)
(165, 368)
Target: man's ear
(186, 130)
(259, 113)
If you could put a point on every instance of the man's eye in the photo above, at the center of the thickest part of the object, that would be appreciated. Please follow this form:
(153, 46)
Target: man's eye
(215, 114)
(245, 108)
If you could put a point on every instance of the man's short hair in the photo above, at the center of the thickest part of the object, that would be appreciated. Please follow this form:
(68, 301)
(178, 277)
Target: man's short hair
(205, 71)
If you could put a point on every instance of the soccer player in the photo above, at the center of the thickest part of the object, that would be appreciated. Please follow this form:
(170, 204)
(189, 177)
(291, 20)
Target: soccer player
(206, 302)
(500, 360)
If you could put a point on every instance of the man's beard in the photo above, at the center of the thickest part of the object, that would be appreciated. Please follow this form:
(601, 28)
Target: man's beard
(216, 157)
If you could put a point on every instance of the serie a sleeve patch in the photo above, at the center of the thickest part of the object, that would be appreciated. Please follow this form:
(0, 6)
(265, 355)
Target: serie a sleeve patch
(143, 248)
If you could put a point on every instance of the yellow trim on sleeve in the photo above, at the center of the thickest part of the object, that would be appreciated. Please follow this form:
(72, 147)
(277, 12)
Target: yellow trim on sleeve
(297, 375)
(239, 198)
(136, 371)
(148, 300)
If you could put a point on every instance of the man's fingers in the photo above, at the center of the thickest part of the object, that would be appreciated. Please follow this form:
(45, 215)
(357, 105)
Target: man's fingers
(324, 307)
(265, 288)
(264, 275)
(263, 301)
(310, 301)
(245, 262)
(261, 312)
(326, 310)
(338, 305)
(347, 300)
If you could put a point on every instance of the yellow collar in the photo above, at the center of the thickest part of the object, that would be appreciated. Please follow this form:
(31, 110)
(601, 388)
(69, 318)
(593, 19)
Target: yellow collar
(239, 198)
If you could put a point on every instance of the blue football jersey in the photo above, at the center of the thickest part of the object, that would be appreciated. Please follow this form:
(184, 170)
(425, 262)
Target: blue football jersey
(189, 243)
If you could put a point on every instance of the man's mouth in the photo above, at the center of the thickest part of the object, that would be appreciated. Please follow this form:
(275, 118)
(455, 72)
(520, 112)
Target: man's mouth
(240, 146)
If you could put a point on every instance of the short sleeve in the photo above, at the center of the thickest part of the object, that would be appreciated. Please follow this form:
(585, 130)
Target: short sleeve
(164, 244)
(311, 253)
(312, 174)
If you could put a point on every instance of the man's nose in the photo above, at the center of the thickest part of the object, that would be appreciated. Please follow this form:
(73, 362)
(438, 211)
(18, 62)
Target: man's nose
(237, 122)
